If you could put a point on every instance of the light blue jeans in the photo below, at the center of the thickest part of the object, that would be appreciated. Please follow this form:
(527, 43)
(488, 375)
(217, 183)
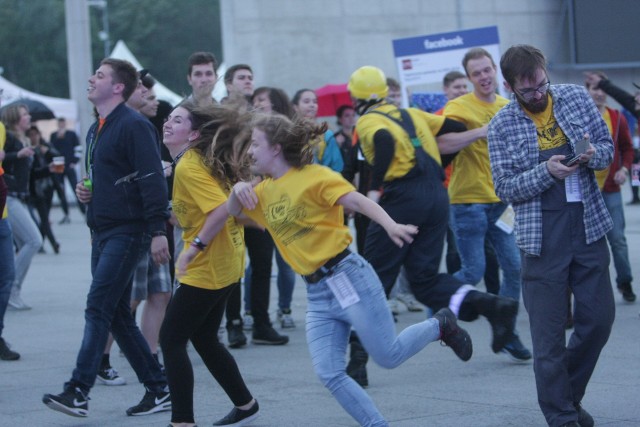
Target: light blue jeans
(26, 236)
(471, 222)
(329, 325)
(616, 238)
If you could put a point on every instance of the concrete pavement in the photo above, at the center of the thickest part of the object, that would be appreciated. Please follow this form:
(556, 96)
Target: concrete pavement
(433, 388)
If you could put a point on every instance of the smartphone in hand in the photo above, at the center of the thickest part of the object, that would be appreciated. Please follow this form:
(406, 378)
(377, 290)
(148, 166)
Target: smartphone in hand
(581, 148)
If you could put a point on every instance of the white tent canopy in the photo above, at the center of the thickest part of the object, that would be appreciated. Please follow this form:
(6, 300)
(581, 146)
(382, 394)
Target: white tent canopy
(61, 107)
(121, 51)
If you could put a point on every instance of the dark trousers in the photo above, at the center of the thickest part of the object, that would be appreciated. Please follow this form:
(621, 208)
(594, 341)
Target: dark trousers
(421, 201)
(562, 371)
(194, 314)
(114, 258)
(72, 177)
(260, 249)
(42, 204)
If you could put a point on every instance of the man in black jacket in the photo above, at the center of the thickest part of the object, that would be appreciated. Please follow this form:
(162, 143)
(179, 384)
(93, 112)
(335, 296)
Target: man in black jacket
(126, 196)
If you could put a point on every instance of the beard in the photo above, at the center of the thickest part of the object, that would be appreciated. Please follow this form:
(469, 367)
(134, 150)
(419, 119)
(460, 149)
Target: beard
(534, 106)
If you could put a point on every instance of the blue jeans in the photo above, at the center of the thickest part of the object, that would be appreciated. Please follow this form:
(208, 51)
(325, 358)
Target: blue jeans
(329, 325)
(7, 267)
(471, 222)
(113, 261)
(616, 238)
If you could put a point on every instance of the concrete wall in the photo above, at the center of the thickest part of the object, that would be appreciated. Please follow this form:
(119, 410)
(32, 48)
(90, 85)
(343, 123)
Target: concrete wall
(308, 43)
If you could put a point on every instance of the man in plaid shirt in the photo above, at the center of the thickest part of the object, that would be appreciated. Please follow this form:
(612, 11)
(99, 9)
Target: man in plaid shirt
(560, 224)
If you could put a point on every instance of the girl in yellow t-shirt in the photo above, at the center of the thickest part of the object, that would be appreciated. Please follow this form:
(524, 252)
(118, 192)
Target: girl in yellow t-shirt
(206, 144)
(301, 205)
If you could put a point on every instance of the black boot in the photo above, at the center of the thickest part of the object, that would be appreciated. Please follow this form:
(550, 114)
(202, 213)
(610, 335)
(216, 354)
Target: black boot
(358, 357)
(500, 312)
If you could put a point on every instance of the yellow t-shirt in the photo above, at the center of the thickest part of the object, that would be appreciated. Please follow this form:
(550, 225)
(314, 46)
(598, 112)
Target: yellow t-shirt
(601, 175)
(196, 194)
(471, 180)
(427, 125)
(299, 210)
(3, 140)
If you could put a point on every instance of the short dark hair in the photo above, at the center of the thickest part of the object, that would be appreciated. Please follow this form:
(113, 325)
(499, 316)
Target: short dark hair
(231, 71)
(148, 81)
(341, 109)
(475, 53)
(451, 77)
(198, 58)
(123, 72)
(393, 83)
(521, 61)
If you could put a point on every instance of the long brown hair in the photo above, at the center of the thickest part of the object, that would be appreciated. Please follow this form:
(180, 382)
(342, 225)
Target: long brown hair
(296, 137)
(224, 138)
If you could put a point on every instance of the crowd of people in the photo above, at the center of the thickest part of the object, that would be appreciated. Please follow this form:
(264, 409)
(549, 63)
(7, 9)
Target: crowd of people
(185, 201)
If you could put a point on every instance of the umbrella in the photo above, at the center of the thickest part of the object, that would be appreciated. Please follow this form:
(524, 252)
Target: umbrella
(37, 109)
(330, 97)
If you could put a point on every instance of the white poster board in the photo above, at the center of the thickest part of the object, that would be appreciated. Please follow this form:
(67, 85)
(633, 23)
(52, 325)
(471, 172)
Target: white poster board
(423, 61)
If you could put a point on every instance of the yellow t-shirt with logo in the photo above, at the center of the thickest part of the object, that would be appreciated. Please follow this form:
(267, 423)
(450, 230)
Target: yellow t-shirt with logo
(601, 175)
(299, 210)
(195, 194)
(550, 135)
(426, 125)
(3, 140)
(471, 180)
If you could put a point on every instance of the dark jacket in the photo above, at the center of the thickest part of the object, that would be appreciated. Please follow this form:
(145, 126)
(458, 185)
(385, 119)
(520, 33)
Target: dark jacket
(66, 146)
(17, 170)
(125, 145)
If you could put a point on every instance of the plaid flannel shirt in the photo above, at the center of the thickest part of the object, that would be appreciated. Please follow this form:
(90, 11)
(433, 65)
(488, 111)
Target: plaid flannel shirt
(519, 177)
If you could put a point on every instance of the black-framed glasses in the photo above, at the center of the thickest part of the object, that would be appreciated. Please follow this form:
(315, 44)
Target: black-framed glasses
(528, 94)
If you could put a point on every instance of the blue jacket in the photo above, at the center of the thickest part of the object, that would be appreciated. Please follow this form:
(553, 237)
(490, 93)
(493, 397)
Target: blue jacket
(125, 145)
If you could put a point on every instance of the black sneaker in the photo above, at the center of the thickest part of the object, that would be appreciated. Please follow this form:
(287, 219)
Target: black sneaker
(584, 418)
(453, 335)
(109, 376)
(151, 402)
(268, 336)
(72, 402)
(6, 353)
(627, 292)
(236, 337)
(238, 417)
(517, 351)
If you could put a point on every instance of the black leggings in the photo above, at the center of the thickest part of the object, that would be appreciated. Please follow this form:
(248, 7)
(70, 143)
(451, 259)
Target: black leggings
(194, 314)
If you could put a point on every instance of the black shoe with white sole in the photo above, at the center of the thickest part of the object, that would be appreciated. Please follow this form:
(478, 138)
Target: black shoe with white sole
(239, 417)
(151, 403)
(72, 402)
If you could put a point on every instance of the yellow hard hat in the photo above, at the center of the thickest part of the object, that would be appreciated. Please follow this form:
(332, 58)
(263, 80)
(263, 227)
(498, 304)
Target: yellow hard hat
(368, 83)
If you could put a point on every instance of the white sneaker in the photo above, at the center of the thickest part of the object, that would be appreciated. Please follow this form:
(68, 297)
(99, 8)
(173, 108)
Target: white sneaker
(393, 306)
(16, 302)
(109, 376)
(285, 319)
(247, 322)
(410, 301)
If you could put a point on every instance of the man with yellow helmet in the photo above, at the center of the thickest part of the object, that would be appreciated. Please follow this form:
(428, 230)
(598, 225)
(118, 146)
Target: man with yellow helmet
(402, 147)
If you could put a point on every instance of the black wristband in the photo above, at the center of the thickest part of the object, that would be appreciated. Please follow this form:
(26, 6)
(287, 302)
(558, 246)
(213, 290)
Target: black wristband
(198, 244)
(159, 233)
